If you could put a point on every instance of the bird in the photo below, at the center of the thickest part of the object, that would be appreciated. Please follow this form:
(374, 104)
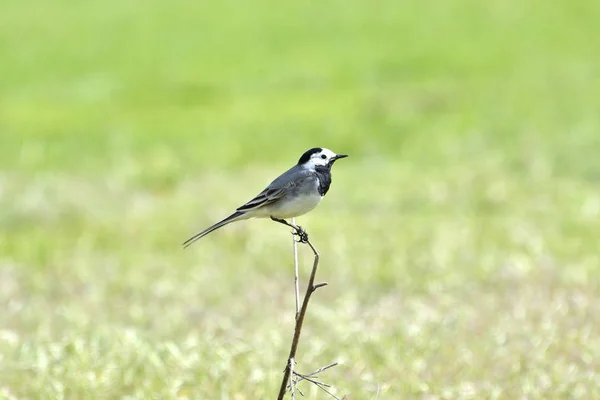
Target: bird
(294, 193)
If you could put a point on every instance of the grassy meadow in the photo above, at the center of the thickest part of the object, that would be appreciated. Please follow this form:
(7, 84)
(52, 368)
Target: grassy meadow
(460, 239)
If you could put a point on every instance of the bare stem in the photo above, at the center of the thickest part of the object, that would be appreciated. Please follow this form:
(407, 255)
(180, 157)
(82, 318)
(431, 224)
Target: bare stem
(310, 288)
(296, 282)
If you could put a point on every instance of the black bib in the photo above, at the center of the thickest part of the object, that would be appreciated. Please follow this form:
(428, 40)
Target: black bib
(324, 174)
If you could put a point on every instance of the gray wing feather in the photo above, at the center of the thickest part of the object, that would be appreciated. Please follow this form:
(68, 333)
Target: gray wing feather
(277, 189)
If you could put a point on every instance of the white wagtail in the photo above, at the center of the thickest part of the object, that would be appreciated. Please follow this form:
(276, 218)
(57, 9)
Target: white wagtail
(296, 192)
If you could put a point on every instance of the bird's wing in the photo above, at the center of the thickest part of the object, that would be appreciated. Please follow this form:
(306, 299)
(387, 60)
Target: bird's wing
(267, 196)
(276, 190)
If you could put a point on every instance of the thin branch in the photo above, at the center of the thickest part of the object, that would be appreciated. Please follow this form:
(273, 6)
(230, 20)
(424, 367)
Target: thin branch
(296, 282)
(310, 288)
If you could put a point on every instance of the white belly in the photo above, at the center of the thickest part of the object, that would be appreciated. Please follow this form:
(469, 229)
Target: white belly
(299, 205)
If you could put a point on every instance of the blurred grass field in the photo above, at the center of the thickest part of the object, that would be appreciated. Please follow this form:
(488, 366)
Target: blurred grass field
(460, 240)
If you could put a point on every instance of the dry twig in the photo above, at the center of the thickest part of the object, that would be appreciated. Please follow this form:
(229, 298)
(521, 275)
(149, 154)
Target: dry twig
(296, 282)
(289, 373)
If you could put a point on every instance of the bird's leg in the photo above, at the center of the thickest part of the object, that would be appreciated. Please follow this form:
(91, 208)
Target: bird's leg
(301, 233)
(283, 221)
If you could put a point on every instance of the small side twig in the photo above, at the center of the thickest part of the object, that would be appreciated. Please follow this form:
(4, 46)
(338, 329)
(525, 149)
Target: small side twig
(313, 374)
(312, 378)
(323, 386)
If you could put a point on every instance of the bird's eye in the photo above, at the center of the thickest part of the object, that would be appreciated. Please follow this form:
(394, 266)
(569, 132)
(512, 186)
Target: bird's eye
(323, 156)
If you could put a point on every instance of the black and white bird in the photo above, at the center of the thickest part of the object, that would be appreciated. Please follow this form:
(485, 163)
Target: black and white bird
(296, 192)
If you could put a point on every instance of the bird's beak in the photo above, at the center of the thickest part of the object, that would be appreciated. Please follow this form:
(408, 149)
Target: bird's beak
(337, 156)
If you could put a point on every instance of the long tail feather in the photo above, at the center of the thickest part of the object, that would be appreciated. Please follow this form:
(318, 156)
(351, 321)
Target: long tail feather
(233, 217)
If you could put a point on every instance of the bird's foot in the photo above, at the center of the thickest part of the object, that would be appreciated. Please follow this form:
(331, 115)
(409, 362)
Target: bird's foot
(301, 233)
(297, 230)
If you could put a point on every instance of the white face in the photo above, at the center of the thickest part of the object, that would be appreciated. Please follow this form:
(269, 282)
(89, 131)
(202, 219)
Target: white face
(319, 157)
(323, 157)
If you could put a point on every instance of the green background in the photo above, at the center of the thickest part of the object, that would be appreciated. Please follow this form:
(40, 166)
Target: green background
(460, 239)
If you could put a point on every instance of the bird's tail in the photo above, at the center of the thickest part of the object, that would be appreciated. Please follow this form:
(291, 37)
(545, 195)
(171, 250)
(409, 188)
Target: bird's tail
(233, 217)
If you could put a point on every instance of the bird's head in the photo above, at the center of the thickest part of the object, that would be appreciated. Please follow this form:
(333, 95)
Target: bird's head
(319, 156)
